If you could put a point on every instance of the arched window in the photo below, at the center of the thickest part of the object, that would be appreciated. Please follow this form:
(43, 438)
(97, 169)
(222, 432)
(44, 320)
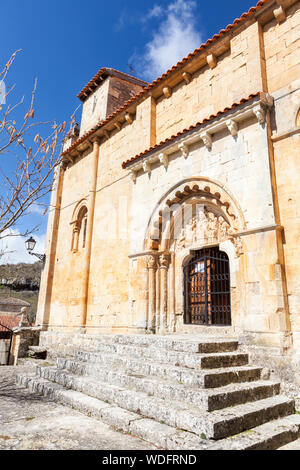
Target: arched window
(79, 230)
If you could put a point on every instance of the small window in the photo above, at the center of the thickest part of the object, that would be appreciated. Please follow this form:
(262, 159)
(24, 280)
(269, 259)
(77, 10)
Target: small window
(79, 230)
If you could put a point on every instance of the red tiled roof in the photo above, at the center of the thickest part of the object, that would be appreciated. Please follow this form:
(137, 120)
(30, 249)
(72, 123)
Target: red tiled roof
(10, 321)
(237, 21)
(191, 128)
(105, 72)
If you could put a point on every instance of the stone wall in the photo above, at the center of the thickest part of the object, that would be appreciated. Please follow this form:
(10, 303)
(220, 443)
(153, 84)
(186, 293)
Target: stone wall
(254, 164)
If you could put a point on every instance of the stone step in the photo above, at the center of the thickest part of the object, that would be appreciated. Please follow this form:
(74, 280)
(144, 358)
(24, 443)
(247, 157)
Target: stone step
(293, 445)
(159, 434)
(215, 425)
(173, 343)
(174, 358)
(209, 399)
(269, 436)
(64, 344)
(206, 378)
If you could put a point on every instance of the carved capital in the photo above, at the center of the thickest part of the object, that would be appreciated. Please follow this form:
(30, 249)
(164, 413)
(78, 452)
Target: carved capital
(260, 113)
(207, 140)
(184, 149)
(232, 127)
(152, 261)
(164, 260)
(238, 245)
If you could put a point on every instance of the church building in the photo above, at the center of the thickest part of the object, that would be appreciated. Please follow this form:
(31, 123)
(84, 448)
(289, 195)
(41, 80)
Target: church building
(176, 208)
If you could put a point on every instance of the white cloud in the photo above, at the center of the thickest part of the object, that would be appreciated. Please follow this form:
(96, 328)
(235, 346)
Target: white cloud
(38, 209)
(176, 36)
(156, 11)
(14, 250)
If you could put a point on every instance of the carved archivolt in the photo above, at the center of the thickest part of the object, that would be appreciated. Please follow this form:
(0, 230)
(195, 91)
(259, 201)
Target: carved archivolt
(215, 218)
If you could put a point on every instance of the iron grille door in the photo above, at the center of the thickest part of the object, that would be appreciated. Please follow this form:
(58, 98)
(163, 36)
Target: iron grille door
(207, 289)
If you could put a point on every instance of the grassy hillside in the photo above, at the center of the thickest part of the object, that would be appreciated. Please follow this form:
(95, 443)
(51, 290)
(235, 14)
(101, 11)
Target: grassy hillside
(21, 281)
(21, 271)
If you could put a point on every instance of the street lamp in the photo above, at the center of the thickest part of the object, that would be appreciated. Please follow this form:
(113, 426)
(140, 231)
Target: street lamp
(30, 245)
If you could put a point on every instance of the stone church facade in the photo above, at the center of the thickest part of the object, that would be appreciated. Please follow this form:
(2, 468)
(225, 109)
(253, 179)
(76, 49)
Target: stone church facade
(176, 208)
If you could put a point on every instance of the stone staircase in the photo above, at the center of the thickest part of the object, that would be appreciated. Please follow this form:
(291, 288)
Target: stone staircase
(176, 392)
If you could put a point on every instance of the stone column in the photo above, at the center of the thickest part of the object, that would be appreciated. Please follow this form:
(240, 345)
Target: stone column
(152, 267)
(75, 237)
(89, 231)
(164, 261)
(172, 320)
(44, 303)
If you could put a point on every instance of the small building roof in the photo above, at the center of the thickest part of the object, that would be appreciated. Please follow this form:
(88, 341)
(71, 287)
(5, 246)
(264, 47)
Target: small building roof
(104, 73)
(9, 321)
(13, 301)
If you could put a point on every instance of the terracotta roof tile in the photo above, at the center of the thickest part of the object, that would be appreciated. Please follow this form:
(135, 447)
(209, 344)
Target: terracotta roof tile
(184, 131)
(104, 72)
(168, 72)
(10, 321)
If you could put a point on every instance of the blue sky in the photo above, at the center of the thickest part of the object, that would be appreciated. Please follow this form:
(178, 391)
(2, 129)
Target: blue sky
(64, 43)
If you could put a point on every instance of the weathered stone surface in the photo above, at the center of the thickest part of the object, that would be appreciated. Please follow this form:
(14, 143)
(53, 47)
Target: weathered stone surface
(37, 352)
(32, 422)
(103, 385)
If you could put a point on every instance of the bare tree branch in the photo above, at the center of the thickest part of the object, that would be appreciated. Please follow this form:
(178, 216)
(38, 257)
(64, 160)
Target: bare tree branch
(29, 152)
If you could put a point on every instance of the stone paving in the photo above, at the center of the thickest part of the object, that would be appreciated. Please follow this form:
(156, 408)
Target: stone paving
(32, 422)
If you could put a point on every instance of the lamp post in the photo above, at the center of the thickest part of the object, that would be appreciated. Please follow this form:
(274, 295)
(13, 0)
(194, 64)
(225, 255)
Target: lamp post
(30, 244)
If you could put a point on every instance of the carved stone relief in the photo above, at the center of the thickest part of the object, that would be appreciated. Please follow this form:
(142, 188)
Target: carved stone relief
(207, 228)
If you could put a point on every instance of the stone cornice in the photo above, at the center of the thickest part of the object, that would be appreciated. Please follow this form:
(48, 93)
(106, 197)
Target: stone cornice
(203, 133)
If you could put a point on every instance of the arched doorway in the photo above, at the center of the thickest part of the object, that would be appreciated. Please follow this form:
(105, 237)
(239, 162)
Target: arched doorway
(207, 288)
(196, 213)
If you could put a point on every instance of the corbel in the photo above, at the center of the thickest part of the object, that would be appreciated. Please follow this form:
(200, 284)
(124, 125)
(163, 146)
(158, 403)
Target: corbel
(69, 159)
(129, 118)
(163, 158)
(279, 14)
(106, 133)
(72, 158)
(147, 167)
(117, 125)
(186, 77)
(96, 138)
(260, 113)
(133, 175)
(207, 140)
(232, 127)
(167, 91)
(90, 144)
(211, 61)
(184, 149)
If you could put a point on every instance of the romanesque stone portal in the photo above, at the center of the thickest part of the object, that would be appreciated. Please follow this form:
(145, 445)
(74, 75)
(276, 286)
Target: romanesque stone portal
(203, 160)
